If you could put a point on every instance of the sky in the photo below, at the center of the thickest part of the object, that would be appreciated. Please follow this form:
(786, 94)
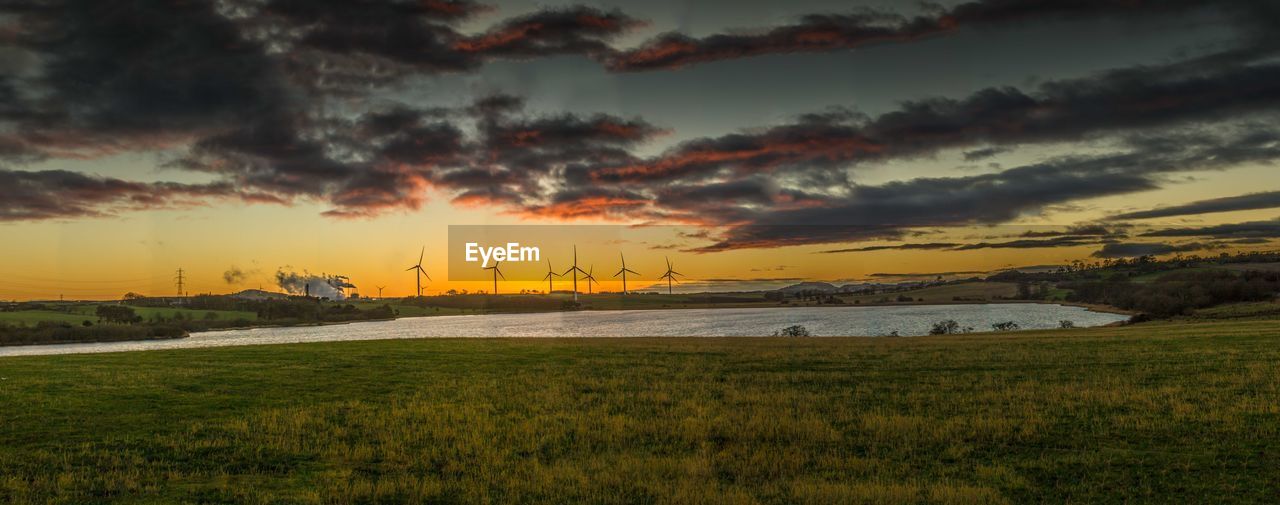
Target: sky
(765, 142)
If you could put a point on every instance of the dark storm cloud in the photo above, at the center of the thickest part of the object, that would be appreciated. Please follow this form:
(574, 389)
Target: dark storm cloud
(819, 32)
(131, 75)
(886, 211)
(347, 43)
(1250, 229)
(385, 160)
(418, 34)
(1059, 111)
(54, 194)
(574, 30)
(925, 246)
(1252, 201)
(360, 167)
(830, 32)
(252, 89)
(1068, 241)
(983, 153)
(1082, 230)
(1072, 236)
(1136, 249)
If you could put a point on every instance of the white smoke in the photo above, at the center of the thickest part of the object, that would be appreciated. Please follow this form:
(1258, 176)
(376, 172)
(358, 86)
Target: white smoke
(315, 285)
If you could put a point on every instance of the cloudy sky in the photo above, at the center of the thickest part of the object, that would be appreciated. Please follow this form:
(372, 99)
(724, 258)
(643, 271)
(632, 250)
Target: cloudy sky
(804, 139)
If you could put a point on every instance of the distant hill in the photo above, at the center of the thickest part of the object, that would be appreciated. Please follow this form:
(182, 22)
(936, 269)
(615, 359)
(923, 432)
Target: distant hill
(863, 287)
(824, 287)
(258, 294)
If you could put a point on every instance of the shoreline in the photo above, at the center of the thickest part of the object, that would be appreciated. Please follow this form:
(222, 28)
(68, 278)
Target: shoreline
(1088, 307)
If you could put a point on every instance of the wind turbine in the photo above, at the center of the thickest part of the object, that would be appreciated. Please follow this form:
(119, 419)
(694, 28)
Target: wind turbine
(496, 273)
(572, 270)
(380, 288)
(670, 275)
(550, 273)
(590, 278)
(420, 272)
(624, 273)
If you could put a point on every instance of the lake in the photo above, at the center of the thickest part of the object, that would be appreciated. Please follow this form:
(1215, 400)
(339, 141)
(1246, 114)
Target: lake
(907, 320)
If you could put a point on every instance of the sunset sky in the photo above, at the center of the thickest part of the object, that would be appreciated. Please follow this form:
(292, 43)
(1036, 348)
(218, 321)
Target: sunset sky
(787, 141)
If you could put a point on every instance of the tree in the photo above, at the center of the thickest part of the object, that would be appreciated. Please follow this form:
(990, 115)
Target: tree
(117, 314)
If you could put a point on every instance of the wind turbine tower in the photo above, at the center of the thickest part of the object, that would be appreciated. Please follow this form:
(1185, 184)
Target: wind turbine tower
(550, 273)
(624, 273)
(496, 273)
(670, 275)
(575, 271)
(590, 278)
(419, 273)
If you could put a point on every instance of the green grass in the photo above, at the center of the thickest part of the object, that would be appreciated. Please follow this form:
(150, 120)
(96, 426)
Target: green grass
(1239, 311)
(78, 313)
(32, 317)
(1156, 413)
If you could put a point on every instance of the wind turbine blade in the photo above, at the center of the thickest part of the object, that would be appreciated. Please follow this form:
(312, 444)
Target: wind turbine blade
(678, 273)
(411, 268)
(619, 272)
(632, 272)
(424, 274)
(421, 254)
(499, 272)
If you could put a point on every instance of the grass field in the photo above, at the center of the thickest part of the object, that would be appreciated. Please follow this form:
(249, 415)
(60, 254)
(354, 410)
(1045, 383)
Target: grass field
(1269, 310)
(31, 317)
(78, 313)
(1159, 413)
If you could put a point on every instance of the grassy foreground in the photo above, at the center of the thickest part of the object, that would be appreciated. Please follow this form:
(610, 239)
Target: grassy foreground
(1164, 413)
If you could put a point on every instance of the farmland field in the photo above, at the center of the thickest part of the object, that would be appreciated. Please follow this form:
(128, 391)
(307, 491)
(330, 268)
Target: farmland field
(80, 312)
(1158, 412)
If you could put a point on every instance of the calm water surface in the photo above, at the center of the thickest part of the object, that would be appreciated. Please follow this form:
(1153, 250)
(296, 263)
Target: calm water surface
(821, 321)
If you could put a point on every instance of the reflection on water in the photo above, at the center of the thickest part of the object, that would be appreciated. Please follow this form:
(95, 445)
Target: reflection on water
(820, 321)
